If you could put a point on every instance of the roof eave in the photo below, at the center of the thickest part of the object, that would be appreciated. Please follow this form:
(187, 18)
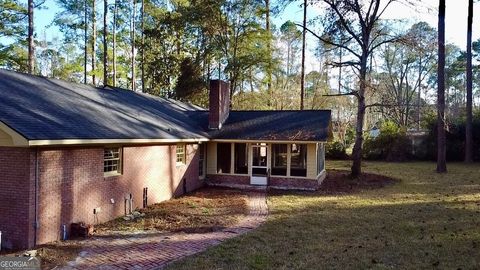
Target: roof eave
(111, 141)
(267, 140)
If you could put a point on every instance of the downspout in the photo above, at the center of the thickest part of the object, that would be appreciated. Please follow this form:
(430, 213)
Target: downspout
(35, 224)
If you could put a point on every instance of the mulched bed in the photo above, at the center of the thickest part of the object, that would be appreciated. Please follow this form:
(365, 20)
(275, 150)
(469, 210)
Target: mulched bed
(52, 255)
(205, 210)
(339, 181)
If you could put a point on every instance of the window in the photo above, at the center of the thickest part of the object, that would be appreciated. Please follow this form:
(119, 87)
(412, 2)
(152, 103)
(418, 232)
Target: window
(298, 162)
(224, 157)
(279, 159)
(320, 158)
(201, 159)
(180, 153)
(112, 161)
(241, 158)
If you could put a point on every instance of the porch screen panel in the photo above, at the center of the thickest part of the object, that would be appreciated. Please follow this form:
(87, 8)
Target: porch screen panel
(241, 158)
(320, 158)
(279, 159)
(224, 157)
(298, 161)
(201, 159)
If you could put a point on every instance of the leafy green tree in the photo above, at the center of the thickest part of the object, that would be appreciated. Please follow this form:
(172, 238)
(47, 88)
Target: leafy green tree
(13, 54)
(190, 84)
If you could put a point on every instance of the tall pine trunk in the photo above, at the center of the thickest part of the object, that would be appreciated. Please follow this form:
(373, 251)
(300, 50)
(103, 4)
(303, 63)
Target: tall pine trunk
(114, 41)
(356, 169)
(133, 45)
(105, 48)
(94, 39)
(339, 83)
(302, 75)
(468, 126)
(85, 48)
(419, 94)
(143, 46)
(269, 48)
(31, 45)
(441, 139)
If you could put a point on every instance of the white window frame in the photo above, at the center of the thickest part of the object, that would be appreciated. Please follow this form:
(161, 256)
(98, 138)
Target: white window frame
(181, 157)
(119, 159)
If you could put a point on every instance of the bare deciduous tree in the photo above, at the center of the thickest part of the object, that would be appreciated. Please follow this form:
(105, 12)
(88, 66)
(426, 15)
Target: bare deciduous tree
(359, 23)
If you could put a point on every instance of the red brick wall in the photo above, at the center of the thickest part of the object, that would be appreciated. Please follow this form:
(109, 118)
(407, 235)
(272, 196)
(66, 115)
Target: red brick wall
(274, 181)
(228, 179)
(72, 184)
(219, 103)
(17, 168)
(294, 183)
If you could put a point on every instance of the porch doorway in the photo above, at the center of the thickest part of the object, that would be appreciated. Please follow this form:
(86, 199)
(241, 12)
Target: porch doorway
(259, 175)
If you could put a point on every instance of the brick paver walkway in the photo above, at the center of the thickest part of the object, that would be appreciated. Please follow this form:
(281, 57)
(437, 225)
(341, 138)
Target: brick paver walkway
(155, 250)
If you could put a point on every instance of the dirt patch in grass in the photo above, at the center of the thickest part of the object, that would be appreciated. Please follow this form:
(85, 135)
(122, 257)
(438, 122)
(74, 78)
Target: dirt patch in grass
(206, 210)
(54, 254)
(339, 181)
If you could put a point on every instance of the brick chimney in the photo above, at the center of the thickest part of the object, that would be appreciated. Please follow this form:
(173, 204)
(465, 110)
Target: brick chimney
(219, 103)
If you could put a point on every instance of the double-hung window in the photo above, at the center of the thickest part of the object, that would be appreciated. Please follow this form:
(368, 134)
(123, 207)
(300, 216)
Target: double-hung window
(180, 154)
(112, 161)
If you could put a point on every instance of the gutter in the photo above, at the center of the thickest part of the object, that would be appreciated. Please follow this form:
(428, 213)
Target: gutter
(111, 141)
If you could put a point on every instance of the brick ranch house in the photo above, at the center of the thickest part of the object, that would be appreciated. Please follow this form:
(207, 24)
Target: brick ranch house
(72, 152)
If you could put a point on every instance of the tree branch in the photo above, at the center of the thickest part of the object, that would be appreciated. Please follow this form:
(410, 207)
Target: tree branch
(353, 93)
(328, 41)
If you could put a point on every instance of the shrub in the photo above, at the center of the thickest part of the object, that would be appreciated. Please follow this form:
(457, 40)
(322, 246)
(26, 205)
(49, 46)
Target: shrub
(455, 139)
(391, 144)
(335, 150)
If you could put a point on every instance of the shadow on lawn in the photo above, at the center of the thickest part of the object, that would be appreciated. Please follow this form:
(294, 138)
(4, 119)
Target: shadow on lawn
(339, 182)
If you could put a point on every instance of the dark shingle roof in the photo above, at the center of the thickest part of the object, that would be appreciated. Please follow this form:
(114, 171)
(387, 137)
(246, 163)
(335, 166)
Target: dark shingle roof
(276, 125)
(48, 109)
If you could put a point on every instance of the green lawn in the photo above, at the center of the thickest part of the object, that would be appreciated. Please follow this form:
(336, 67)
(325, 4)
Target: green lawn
(426, 221)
